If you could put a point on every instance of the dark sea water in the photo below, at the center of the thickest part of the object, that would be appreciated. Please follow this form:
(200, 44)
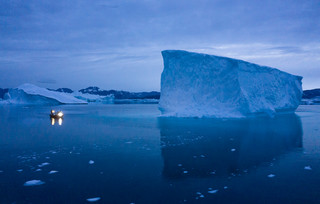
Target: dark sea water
(127, 154)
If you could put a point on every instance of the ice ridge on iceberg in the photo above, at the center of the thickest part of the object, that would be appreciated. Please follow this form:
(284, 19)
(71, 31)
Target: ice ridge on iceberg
(31, 94)
(202, 85)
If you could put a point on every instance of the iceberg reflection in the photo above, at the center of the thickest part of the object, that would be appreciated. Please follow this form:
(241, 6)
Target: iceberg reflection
(202, 147)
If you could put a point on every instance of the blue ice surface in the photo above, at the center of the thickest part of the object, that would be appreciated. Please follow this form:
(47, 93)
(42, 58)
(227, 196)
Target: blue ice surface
(141, 158)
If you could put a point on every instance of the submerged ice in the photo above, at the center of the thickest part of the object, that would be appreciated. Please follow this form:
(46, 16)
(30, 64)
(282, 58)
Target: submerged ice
(201, 85)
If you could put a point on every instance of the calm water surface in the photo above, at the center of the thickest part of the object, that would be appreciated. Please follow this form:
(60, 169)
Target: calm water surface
(127, 154)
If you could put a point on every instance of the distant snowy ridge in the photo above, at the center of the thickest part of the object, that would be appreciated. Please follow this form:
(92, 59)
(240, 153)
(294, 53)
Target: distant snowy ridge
(31, 94)
(201, 85)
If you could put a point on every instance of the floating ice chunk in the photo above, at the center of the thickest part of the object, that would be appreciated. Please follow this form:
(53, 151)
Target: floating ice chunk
(307, 168)
(271, 175)
(38, 169)
(201, 196)
(232, 150)
(20, 170)
(43, 164)
(53, 172)
(201, 85)
(93, 199)
(185, 172)
(179, 164)
(33, 183)
(213, 191)
(91, 162)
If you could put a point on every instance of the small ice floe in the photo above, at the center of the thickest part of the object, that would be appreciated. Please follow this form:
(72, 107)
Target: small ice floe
(179, 164)
(201, 196)
(53, 172)
(129, 142)
(33, 183)
(307, 168)
(47, 157)
(185, 172)
(213, 191)
(271, 175)
(91, 162)
(202, 156)
(226, 187)
(38, 169)
(93, 199)
(232, 150)
(213, 172)
(20, 170)
(43, 164)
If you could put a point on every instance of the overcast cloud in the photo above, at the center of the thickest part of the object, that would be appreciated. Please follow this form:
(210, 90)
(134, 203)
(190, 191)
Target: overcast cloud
(117, 44)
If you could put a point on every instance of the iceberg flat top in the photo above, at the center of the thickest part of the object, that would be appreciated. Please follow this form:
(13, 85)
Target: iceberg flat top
(202, 85)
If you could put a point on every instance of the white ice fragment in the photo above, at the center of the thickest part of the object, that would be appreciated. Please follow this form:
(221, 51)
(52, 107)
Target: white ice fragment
(53, 172)
(33, 183)
(19, 170)
(213, 191)
(201, 196)
(47, 157)
(185, 172)
(43, 164)
(93, 199)
(38, 169)
(179, 164)
(201, 85)
(91, 162)
(232, 150)
(271, 175)
(202, 156)
(226, 187)
(307, 168)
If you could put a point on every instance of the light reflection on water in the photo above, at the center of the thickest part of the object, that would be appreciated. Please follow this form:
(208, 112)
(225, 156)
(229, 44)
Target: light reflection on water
(53, 121)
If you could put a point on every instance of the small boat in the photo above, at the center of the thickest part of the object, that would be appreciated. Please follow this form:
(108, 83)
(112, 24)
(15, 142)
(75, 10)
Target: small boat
(55, 114)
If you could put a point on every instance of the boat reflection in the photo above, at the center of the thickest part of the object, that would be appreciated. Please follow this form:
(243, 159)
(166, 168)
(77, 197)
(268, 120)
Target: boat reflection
(202, 147)
(53, 121)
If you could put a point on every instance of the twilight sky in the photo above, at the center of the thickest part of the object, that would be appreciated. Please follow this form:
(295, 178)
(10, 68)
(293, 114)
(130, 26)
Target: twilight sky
(116, 44)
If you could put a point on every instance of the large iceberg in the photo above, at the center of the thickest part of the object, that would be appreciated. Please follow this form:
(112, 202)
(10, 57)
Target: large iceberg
(31, 94)
(202, 85)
